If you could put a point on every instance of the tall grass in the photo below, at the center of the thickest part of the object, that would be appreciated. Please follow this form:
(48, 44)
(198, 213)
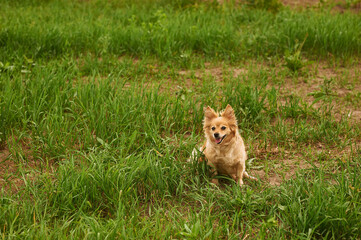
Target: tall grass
(322, 208)
(169, 33)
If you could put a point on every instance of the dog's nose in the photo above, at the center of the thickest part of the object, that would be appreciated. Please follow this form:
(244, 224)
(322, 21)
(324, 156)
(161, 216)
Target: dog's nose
(216, 135)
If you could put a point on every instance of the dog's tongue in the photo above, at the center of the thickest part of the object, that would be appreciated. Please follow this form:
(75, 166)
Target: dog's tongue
(218, 140)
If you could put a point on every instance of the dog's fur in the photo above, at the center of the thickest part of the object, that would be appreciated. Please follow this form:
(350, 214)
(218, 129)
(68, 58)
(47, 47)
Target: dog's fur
(224, 147)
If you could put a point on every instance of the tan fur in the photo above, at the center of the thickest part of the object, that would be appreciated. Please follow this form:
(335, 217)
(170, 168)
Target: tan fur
(229, 156)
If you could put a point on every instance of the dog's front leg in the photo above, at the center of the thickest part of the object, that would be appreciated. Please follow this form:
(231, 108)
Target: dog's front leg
(214, 173)
(239, 174)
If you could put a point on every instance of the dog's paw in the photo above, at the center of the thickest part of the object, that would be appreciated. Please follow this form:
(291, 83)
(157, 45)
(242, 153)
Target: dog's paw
(215, 181)
(245, 174)
(253, 178)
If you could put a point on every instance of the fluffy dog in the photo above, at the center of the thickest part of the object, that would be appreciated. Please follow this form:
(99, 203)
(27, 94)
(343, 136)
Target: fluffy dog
(224, 147)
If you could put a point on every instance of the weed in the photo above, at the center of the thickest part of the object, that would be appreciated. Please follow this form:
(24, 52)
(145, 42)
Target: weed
(294, 61)
(325, 92)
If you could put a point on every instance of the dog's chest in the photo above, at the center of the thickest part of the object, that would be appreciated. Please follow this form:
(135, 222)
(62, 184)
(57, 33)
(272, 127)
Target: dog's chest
(225, 158)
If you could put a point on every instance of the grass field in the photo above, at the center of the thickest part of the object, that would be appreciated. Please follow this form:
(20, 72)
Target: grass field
(101, 105)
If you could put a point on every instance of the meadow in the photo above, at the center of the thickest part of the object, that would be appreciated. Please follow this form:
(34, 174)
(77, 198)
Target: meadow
(101, 105)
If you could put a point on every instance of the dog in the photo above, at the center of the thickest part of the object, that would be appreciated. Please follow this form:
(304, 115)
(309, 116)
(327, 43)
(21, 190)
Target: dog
(224, 147)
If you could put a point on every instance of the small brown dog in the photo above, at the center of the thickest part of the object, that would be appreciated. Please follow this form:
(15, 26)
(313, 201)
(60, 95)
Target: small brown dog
(224, 147)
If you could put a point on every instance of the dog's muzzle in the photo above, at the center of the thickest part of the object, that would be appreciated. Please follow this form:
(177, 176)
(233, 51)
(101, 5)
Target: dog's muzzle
(219, 140)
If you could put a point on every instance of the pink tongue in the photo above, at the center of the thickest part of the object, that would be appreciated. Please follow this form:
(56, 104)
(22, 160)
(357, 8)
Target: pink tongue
(218, 140)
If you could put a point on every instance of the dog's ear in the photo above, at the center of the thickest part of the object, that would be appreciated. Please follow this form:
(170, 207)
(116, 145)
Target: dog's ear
(229, 114)
(209, 113)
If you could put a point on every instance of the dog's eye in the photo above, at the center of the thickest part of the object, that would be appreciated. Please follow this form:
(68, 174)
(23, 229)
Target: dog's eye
(223, 128)
(213, 128)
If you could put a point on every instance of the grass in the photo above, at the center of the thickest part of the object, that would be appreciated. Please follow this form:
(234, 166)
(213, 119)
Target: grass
(170, 32)
(101, 104)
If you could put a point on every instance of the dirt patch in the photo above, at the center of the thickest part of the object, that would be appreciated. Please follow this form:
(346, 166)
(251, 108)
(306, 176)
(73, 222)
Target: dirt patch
(339, 6)
(341, 86)
(9, 173)
(336, 6)
(15, 172)
(300, 3)
(344, 6)
(281, 165)
(274, 166)
(355, 115)
(282, 170)
(216, 72)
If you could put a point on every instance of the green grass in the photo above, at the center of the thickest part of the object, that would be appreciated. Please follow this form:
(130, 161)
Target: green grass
(101, 104)
(61, 28)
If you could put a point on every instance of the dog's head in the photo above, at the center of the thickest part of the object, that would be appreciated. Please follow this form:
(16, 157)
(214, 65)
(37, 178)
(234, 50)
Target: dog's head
(220, 128)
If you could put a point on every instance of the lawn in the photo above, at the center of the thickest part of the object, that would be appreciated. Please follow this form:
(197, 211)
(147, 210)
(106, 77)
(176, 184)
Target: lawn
(101, 105)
